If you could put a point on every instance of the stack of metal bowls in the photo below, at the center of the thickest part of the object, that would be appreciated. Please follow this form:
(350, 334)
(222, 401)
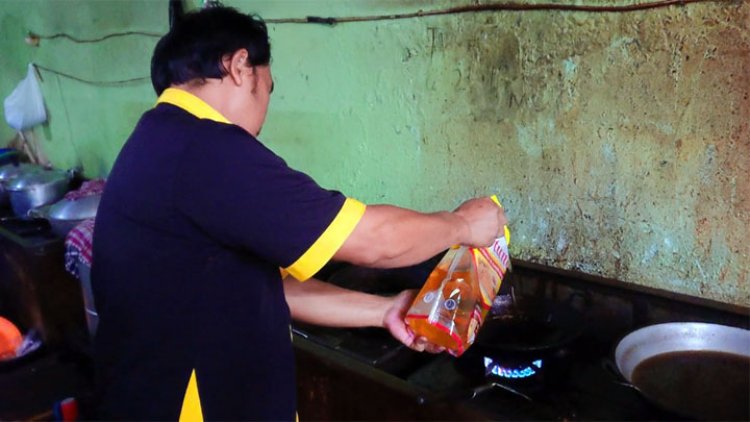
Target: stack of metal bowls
(8, 173)
(36, 188)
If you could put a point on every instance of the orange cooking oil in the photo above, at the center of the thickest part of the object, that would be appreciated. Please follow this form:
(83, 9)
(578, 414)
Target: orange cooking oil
(451, 306)
(442, 311)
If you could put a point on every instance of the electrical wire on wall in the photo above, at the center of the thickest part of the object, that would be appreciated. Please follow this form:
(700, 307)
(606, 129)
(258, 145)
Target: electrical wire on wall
(176, 11)
(494, 7)
(90, 82)
(34, 38)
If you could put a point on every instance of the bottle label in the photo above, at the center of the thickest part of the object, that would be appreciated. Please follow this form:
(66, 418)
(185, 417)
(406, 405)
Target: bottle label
(492, 263)
(476, 321)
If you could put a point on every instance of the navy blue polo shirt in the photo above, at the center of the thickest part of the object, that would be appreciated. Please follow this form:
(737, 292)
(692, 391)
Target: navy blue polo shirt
(196, 220)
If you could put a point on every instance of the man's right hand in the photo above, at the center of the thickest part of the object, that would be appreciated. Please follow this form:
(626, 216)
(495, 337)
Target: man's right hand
(484, 219)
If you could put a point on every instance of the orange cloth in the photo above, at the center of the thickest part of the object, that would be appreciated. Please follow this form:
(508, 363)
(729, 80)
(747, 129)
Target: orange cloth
(10, 339)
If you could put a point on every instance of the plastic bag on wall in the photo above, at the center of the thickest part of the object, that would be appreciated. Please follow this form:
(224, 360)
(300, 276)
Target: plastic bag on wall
(24, 107)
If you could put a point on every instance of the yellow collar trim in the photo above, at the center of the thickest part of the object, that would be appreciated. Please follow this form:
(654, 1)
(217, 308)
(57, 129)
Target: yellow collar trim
(192, 104)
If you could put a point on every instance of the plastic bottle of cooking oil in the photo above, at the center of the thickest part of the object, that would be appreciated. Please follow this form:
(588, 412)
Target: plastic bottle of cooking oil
(454, 301)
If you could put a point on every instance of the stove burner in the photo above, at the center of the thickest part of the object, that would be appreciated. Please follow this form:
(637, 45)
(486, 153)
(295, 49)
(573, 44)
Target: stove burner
(26, 227)
(525, 370)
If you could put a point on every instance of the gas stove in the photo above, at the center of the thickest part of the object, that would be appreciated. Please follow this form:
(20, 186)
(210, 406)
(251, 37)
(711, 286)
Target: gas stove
(27, 232)
(372, 346)
(587, 387)
(577, 381)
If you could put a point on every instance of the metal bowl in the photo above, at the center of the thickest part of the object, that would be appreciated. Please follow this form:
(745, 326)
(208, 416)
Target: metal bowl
(34, 189)
(67, 213)
(8, 172)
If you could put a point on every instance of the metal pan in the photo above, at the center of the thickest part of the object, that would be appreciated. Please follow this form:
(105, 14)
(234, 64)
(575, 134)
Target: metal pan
(698, 370)
(65, 214)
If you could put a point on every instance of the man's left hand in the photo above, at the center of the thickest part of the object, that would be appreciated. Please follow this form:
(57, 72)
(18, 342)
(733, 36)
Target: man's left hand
(393, 321)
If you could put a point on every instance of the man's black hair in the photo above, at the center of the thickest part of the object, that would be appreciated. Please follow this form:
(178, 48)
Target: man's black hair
(194, 47)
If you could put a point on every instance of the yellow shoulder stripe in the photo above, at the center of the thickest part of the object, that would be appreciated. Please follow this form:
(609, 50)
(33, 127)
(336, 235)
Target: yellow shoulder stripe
(191, 404)
(329, 242)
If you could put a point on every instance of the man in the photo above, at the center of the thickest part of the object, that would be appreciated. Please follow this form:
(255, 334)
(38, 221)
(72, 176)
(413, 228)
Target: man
(198, 218)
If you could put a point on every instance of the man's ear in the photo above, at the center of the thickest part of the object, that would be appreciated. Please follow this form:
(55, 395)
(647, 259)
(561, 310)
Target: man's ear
(237, 66)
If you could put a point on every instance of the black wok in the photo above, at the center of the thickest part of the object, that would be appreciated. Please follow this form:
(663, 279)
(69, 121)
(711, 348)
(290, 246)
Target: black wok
(528, 342)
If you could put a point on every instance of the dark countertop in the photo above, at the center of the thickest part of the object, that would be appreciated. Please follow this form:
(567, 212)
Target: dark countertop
(337, 386)
(31, 386)
(37, 293)
(588, 388)
(31, 234)
(367, 364)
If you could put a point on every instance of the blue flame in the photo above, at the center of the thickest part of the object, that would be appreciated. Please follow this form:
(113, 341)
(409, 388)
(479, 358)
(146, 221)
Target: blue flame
(524, 371)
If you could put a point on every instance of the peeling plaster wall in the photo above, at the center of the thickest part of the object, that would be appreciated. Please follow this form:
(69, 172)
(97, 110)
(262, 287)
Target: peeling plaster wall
(619, 143)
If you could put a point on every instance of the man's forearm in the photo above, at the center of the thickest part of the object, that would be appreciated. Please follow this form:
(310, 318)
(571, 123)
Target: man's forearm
(321, 303)
(389, 237)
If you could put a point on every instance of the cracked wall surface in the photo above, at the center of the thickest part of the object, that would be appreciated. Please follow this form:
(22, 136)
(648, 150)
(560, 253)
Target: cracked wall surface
(618, 142)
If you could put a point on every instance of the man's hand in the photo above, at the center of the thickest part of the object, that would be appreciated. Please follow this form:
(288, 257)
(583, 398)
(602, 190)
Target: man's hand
(320, 303)
(484, 219)
(393, 321)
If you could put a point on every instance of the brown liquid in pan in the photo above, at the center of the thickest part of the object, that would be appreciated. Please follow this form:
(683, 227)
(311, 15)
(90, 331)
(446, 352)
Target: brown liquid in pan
(698, 384)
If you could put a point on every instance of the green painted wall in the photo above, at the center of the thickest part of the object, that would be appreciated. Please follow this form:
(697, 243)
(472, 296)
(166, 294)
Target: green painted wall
(620, 143)
(87, 124)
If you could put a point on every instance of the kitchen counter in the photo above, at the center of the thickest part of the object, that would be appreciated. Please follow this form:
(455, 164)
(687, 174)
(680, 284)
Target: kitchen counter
(30, 388)
(335, 386)
(35, 290)
(355, 374)
(37, 293)
(364, 374)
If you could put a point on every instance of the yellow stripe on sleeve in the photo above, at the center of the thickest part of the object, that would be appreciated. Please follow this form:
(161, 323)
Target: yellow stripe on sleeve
(329, 242)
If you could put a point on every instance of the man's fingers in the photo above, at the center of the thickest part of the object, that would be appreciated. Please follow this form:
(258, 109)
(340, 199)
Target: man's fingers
(431, 348)
(421, 344)
(417, 345)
